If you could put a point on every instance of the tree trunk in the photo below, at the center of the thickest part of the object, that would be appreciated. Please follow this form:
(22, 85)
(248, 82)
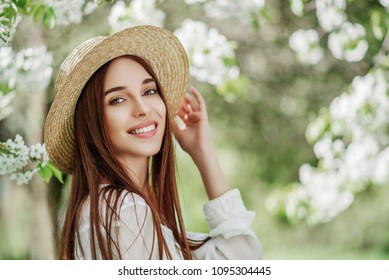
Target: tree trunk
(27, 120)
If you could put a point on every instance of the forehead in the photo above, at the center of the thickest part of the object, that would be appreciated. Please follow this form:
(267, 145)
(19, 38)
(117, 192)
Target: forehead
(125, 64)
(124, 70)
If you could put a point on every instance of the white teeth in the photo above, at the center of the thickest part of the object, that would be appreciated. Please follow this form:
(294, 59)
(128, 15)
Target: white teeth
(143, 129)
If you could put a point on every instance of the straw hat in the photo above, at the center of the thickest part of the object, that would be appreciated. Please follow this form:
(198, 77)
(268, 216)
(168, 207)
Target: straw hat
(158, 46)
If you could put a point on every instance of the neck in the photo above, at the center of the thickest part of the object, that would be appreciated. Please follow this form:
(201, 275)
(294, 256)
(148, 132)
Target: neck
(138, 170)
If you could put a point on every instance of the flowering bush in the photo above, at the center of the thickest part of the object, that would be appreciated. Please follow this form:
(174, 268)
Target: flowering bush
(349, 138)
(15, 158)
(331, 14)
(346, 40)
(52, 12)
(18, 74)
(348, 43)
(70, 11)
(9, 19)
(351, 143)
(213, 61)
(12, 10)
(137, 13)
(246, 11)
(306, 45)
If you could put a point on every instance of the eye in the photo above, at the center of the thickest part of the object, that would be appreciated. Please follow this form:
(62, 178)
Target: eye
(150, 91)
(116, 100)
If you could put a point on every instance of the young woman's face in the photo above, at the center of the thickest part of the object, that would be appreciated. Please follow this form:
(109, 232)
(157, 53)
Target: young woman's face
(134, 112)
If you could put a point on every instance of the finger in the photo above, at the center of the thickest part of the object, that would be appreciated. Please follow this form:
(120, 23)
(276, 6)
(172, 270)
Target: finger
(182, 115)
(199, 98)
(192, 102)
(193, 119)
(186, 107)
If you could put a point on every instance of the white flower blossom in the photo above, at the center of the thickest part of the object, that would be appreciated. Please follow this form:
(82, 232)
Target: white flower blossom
(30, 61)
(323, 147)
(8, 25)
(15, 158)
(5, 103)
(38, 153)
(330, 13)
(381, 166)
(191, 2)
(18, 74)
(139, 12)
(8, 71)
(315, 129)
(7, 81)
(365, 105)
(352, 153)
(71, 11)
(348, 43)
(89, 7)
(384, 3)
(297, 7)
(208, 58)
(350, 138)
(18, 69)
(306, 45)
(22, 178)
(244, 10)
(320, 194)
(67, 12)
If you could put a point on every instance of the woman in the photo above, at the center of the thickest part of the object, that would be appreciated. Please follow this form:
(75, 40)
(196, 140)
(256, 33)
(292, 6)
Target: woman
(110, 127)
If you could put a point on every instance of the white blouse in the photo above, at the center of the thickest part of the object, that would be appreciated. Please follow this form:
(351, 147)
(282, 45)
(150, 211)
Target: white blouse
(229, 221)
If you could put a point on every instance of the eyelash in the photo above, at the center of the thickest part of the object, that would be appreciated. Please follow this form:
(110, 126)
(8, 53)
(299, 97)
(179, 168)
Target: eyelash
(153, 90)
(117, 100)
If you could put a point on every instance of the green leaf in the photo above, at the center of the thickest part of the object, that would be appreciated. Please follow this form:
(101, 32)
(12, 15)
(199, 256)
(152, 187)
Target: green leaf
(38, 11)
(46, 173)
(254, 22)
(49, 18)
(21, 4)
(9, 13)
(56, 172)
(4, 88)
(234, 87)
(376, 21)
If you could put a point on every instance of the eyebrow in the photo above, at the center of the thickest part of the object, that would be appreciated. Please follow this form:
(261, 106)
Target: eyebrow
(145, 81)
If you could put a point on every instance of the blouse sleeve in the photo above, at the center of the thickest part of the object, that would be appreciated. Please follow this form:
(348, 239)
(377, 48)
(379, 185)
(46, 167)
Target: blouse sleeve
(231, 236)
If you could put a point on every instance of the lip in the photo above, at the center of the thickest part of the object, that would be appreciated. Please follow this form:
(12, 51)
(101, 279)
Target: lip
(142, 125)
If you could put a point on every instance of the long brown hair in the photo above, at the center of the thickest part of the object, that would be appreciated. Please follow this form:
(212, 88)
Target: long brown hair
(95, 161)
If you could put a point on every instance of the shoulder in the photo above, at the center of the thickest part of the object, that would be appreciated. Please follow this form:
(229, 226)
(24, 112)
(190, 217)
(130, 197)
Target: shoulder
(124, 206)
(121, 200)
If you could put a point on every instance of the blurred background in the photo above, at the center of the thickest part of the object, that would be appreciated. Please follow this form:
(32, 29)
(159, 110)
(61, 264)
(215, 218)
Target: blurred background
(297, 97)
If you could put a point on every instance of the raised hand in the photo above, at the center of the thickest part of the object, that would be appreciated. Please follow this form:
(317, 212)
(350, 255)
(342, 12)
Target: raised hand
(195, 139)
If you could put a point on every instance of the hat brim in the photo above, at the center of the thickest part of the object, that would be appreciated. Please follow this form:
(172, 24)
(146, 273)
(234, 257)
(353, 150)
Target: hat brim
(159, 47)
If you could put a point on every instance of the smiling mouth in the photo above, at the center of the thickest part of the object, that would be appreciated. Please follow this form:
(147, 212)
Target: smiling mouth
(144, 129)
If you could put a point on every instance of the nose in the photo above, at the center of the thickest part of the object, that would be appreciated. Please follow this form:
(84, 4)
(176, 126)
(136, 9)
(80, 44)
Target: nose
(140, 108)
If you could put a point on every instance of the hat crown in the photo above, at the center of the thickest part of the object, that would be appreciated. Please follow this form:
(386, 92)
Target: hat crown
(71, 61)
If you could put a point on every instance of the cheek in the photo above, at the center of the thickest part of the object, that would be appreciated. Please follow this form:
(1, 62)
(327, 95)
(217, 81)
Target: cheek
(160, 108)
(163, 109)
(112, 121)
